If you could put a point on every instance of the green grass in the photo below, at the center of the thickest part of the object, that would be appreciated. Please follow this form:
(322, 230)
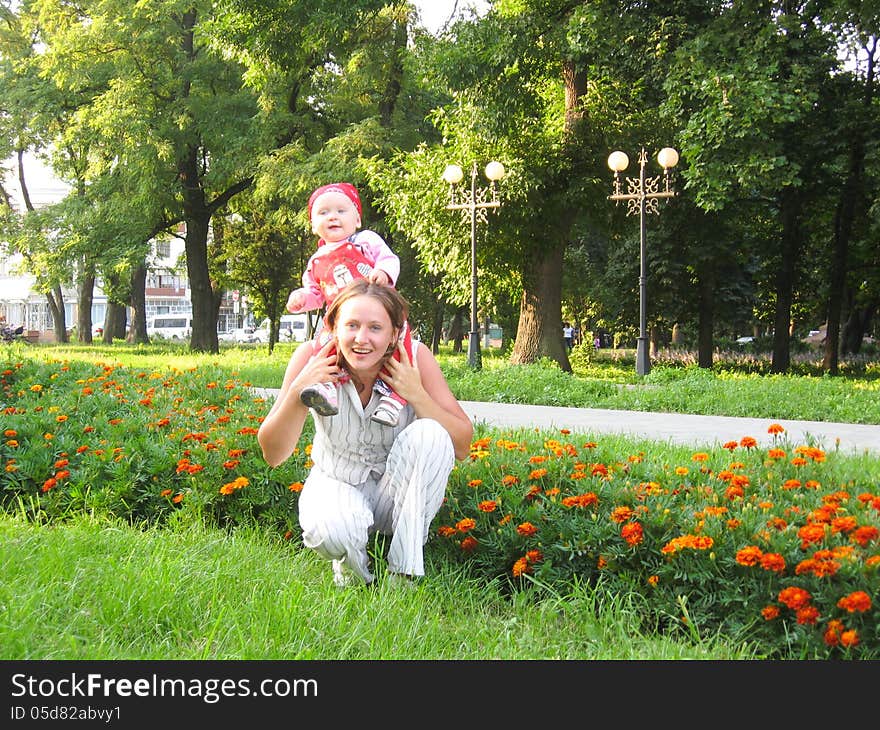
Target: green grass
(733, 387)
(97, 590)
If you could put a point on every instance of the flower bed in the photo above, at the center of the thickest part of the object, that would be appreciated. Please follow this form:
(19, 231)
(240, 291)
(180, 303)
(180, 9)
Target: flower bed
(777, 546)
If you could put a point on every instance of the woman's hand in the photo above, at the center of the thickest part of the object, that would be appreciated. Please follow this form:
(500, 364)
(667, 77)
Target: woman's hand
(322, 367)
(403, 375)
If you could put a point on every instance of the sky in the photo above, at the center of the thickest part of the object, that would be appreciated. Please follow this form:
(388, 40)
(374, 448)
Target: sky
(435, 13)
(44, 188)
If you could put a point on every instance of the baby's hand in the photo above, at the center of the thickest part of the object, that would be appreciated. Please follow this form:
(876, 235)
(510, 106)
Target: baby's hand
(377, 276)
(295, 301)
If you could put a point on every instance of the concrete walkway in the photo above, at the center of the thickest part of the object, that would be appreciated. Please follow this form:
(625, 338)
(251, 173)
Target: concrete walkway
(676, 428)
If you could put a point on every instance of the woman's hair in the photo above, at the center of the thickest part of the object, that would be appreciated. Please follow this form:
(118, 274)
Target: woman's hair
(396, 306)
(393, 302)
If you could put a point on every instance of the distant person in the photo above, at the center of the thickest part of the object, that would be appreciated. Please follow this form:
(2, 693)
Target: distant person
(597, 343)
(568, 335)
(366, 478)
(344, 254)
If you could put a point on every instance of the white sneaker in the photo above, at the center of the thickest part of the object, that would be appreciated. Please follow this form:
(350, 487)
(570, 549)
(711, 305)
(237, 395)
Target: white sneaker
(322, 397)
(388, 411)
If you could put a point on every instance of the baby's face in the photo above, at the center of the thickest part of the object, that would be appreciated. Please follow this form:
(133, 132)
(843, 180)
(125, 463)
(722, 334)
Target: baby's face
(334, 217)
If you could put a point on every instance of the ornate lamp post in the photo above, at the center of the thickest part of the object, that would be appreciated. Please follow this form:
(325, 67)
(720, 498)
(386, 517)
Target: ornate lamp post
(473, 205)
(641, 196)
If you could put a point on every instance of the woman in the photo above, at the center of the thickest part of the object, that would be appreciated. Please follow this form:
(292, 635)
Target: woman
(368, 477)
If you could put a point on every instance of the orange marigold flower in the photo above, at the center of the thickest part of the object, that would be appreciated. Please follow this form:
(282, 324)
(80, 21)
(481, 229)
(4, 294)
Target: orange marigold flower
(776, 454)
(446, 531)
(509, 480)
(526, 529)
(469, 543)
(62, 474)
(832, 632)
(534, 556)
(521, 566)
(864, 534)
(231, 463)
(177, 499)
(61, 418)
(599, 470)
(775, 428)
(632, 532)
(537, 473)
(810, 534)
(730, 445)
(537, 459)
(734, 492)
(465, 524)
(475, 482)
(681, 470)
(798, 461)
(794, 597)
(843, 524)
(487, 505)
(791, 484)
(10, 433)
(165, 493)
(49, 484)
(581, 500)
(621, 514)
(653, 580)
(773, 562)
(749, 556)
(295, 487)
(808, 615)
(849, 639)
(747, 442)
(770, 612)
(590, 445)
(857, 601)
(700, 456)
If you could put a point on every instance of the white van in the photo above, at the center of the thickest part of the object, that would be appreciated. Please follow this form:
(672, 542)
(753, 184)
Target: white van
(293, 328)
(170, 326)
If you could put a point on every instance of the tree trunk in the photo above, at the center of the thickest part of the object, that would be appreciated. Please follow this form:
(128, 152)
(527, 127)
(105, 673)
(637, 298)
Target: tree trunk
(706, 316)
(114, 322)
(55, 298)
(137, 333)
(437, 327)
(790, 213)
(540, 324)
(855, 328)
(86, 294)
(456, 329)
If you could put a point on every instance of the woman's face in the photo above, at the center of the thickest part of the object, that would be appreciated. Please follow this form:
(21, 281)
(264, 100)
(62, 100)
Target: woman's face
(364, 332)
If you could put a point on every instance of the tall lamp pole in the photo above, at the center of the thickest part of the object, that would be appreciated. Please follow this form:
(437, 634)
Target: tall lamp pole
(642, 195)
(473, 205)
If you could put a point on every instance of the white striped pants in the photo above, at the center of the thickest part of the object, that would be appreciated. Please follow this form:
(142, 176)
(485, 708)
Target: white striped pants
(337, 518)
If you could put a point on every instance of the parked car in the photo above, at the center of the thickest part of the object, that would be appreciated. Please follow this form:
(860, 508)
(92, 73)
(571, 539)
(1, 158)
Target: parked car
(239, 334)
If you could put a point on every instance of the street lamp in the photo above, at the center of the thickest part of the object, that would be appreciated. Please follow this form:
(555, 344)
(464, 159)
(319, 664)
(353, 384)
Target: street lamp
(473, 205)
(641, 196)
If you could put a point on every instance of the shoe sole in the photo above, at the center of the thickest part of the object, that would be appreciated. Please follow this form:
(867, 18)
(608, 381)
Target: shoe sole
(321, 406)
